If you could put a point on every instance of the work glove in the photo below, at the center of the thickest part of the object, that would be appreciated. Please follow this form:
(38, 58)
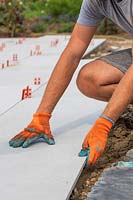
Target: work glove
(38, 128)
(95, 141)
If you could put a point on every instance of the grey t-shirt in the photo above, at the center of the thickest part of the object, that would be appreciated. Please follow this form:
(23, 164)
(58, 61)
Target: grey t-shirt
(119, 11)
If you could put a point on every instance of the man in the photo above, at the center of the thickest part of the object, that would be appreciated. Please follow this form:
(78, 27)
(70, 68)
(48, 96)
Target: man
(109, 78)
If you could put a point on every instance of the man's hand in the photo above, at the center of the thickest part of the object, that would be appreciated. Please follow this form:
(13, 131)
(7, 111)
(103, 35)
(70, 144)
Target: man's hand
(95, 141)
(38, 128)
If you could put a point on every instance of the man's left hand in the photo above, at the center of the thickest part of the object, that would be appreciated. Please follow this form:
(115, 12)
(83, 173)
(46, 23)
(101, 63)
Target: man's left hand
(95, 141)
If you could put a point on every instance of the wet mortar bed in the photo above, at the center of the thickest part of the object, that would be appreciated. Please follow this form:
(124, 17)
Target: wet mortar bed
(120, 141)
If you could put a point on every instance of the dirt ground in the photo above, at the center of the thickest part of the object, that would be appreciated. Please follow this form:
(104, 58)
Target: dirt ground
(120, 138)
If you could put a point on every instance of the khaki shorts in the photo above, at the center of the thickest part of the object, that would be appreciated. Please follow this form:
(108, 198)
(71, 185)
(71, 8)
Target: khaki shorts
(122, 60)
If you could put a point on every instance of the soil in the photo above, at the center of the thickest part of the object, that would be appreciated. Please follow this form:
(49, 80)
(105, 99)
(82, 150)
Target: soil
(120, 139)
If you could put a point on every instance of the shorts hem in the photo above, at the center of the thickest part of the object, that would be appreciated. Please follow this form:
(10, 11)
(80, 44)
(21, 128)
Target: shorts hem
(123, 70)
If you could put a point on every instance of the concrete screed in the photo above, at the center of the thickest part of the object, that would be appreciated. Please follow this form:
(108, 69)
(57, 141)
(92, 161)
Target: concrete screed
(41, 171)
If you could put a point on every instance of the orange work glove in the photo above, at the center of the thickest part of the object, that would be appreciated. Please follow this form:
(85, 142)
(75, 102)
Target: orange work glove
(95, 141)
(38, 128)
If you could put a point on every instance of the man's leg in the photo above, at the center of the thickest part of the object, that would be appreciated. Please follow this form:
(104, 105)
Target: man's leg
(98, 80)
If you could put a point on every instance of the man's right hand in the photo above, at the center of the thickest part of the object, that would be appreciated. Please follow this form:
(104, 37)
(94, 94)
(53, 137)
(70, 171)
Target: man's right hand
(38, 128)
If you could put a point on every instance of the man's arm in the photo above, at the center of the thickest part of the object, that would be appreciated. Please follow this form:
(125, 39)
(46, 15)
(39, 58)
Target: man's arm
(59, 80)
(66, 66)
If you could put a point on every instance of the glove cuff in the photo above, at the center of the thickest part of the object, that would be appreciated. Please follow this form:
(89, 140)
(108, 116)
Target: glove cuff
(107, 118)
(104, 124)
(42, 115)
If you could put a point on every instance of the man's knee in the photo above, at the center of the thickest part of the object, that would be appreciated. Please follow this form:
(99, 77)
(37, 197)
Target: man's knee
(87, 81)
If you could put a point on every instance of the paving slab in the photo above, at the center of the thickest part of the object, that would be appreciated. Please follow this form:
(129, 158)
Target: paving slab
(34, 66)
(34, 172)
(14, 79)
(23, 51)
(42, 171)
(114, 184)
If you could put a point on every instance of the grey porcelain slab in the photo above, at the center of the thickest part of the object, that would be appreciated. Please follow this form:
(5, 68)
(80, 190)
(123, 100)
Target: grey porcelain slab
(115, 183)
(42, 171)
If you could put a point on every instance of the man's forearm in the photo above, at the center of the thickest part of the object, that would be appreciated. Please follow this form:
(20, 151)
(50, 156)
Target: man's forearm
(58, 81)
(66, 66)
(122, 96)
